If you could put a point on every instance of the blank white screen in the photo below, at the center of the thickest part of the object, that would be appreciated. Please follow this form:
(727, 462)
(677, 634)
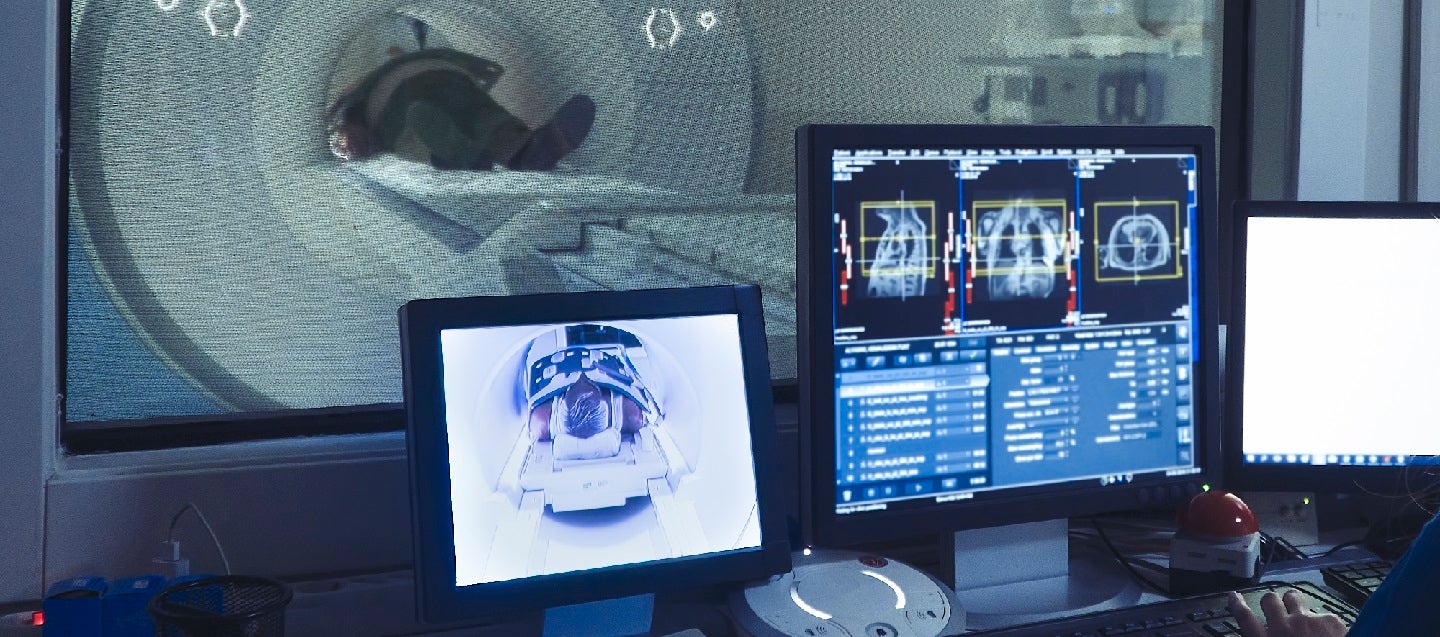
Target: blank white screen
(1340, 338)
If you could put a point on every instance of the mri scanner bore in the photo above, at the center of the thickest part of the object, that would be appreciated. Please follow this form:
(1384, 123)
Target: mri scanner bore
(508, 148)
(585, 445)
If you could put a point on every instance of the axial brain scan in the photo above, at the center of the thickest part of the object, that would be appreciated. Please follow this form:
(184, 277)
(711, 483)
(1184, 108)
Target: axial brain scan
(1137, 243)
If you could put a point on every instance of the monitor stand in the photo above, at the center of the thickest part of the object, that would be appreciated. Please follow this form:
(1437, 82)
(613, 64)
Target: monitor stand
(1024, 573)
(620, 617)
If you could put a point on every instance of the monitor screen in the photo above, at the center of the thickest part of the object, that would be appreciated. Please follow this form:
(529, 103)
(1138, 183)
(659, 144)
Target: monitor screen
(1344, 392)
(586, 446)
(1008, 313)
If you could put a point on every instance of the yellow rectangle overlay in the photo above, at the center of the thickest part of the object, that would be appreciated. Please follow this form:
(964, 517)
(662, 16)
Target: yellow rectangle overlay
(1175, 242)
(929, 268)
(977, 206)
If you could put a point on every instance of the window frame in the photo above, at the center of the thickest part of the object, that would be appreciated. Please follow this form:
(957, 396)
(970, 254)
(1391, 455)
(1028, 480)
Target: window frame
(304, 505)
(27, 276)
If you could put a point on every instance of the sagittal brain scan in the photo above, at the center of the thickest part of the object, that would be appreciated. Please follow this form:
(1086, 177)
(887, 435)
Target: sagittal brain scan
(901, 262)
(585, 445)
(1136, 240)
(1021, 245)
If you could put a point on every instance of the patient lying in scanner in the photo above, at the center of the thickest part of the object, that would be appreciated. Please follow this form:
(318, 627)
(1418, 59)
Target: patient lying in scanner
(596, 432)
(434, 106)
(586, 399)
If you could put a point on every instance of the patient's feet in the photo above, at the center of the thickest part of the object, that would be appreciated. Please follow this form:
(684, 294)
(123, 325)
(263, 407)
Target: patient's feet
(555, 139)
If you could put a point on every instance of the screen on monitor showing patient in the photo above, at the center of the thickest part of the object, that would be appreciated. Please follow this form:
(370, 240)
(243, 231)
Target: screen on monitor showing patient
(1338, 360)
(576, 446)
(1009, 320)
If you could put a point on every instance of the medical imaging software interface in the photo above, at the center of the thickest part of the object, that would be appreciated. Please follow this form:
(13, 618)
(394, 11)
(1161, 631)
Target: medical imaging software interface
(585, 445)
(1010, 317)
(1351, 390)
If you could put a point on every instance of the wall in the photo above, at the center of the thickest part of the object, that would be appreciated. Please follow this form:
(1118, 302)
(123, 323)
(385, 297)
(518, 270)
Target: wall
(26, 316)
(1350, 104)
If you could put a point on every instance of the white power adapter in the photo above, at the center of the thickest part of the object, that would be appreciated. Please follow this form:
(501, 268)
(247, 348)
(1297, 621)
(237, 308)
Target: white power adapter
(170, 564)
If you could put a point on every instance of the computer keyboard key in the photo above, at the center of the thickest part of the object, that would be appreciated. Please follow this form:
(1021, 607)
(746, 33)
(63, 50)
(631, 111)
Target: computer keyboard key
(1208, 614)
(1356, 582)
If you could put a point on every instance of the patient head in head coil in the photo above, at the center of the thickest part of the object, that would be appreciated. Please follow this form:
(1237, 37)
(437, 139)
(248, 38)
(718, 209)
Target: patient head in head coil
(587, 409)
(580, 381)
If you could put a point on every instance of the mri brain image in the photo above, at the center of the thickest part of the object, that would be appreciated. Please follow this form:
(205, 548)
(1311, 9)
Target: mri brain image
(1021, 246)
(1137, 243)
(901, 255)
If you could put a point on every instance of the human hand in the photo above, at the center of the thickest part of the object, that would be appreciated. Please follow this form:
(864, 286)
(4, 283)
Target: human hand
(1287, 616)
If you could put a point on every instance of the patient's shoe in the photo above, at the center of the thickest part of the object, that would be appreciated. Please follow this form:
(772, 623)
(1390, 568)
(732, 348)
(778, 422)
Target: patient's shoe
(555, 139)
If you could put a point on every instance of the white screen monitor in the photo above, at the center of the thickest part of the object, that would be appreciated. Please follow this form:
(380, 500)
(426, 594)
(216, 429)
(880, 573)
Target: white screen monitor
(1331, 350)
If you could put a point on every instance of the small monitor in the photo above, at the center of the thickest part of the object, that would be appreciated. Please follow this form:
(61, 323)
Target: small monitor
(1003, 324)
(1330, 372)
(574, 447)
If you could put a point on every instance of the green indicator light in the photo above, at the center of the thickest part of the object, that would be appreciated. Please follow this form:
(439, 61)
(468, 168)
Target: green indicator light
(1204, 487)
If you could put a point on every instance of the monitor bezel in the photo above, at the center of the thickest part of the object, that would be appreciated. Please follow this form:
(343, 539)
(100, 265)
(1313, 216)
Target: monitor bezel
(815, 281)
(1242, 476)
(438, 599)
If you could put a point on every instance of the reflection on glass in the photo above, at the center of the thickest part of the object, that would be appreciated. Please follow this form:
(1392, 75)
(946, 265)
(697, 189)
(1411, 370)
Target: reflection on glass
(255, 207)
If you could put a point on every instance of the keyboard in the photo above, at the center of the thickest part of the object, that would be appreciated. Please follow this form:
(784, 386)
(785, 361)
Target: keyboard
(1202, 616)
(1356, 582)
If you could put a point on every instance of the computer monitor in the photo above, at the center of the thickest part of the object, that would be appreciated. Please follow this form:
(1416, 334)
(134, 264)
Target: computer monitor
(571, 447)
(1003, 324)
(1330, 377)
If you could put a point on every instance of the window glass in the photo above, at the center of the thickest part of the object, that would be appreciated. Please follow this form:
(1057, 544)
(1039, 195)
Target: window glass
(257, 185)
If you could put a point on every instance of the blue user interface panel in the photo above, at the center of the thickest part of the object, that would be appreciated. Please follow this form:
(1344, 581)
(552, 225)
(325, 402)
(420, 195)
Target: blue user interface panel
(1011, 318)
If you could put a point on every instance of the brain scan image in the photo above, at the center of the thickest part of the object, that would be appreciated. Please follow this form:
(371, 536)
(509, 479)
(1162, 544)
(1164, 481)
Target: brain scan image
(1021, 245)
(901, 254)
(1137, 243)
(586, 445)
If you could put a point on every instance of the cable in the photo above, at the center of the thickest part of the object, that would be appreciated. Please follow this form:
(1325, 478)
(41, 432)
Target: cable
(740, 539)
(1343, 545)
(190, 506)
(1144, 581)
(1287, 551)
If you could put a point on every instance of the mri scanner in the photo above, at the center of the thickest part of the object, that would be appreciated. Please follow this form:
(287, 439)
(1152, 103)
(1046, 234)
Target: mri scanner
(266, 272)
